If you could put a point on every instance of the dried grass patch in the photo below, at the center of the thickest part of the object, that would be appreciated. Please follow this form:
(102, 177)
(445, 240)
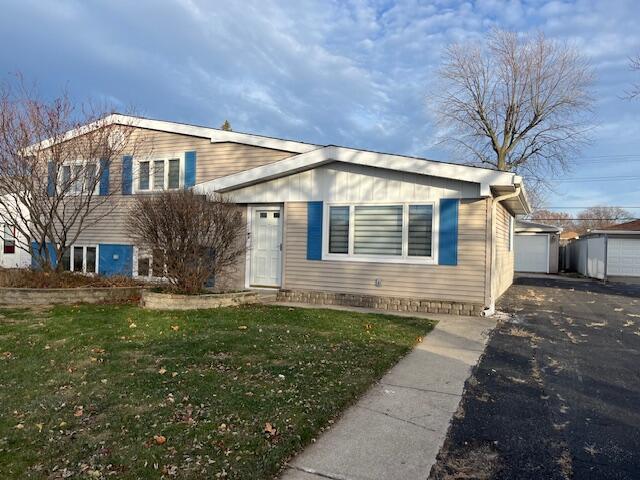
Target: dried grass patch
(26, 278)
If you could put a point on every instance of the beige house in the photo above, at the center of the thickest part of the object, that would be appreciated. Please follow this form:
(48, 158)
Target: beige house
(328, 224)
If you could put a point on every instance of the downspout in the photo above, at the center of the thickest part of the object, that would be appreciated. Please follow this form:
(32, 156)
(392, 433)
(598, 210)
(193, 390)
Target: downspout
(606, 257)
(491, 308)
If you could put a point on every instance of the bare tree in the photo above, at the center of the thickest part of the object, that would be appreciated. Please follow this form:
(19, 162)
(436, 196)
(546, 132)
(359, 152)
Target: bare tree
(558, 219)
(516, 103)
(54, 185)
(191, 237)
(634, 63)
(601, 217)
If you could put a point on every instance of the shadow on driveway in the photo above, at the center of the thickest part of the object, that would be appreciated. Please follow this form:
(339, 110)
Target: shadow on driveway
(557, 393)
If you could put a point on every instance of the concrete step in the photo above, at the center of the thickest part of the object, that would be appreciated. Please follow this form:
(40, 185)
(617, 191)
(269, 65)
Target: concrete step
(267, 296)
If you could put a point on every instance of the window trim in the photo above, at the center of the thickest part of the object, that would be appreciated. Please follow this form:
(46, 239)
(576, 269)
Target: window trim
(84, 258)
(151, 160)
(4, 239)
(139, 253)
(83, 163)
(404, 258)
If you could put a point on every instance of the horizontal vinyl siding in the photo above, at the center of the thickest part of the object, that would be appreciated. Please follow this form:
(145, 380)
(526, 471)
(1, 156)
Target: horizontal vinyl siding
(464, 282)
(504, 258)
(108, 224)
(220, 159)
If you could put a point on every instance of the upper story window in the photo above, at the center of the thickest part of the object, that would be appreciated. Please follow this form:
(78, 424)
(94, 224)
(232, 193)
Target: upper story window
(400, 232)
(160, 174)
(79, 177)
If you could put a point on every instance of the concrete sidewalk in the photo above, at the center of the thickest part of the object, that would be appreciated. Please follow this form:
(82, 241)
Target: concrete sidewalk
(396, 430)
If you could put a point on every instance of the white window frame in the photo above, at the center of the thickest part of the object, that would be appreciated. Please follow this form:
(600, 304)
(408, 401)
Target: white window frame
(142, 253)
(83, 163)
(13, 235)
(404, 258)
(152, 160)
(84, 259)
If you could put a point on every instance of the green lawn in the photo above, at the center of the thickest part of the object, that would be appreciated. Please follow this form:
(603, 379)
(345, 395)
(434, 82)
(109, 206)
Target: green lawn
(120, 392)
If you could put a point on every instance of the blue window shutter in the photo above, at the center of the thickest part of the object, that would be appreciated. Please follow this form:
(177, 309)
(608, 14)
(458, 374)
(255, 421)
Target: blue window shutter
(35, 255)
(448, 239)
(189, 169)
(104, 177)
(115, 259)
(314, 231)
(51, 179)
(127, 175)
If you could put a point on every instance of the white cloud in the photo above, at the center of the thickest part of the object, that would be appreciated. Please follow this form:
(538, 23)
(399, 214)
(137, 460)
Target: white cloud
(352, 72)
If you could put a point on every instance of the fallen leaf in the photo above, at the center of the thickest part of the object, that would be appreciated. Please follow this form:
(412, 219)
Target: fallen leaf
(270, 429)
(78, 411)
(39, 426)
(160, 439)
(132, 325)
(242, 327)
(19, 426)
(175, 328)
(162, 371)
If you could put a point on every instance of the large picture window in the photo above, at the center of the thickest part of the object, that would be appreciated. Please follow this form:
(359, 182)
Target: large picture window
(378, 230)
(401, 232)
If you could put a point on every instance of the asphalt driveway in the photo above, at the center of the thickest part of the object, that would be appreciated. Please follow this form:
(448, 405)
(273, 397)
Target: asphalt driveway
(557, 393)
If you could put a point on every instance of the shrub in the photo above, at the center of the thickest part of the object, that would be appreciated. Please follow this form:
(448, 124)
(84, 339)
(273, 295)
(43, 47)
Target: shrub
(198, 237)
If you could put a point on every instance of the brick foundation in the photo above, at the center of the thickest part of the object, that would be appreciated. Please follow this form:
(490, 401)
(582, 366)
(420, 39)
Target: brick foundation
(394, 304)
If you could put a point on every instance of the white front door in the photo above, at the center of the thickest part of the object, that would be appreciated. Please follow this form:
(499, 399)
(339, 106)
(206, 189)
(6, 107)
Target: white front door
(266, 247)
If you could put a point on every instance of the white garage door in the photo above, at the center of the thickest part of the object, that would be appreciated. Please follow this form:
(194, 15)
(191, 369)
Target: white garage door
(623, 257)
(531, 253)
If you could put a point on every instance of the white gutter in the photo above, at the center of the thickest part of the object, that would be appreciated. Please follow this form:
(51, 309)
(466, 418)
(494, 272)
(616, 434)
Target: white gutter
(614, 232)
(491, 309)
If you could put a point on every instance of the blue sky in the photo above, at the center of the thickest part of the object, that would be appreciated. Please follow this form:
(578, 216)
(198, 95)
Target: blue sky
(353, 73)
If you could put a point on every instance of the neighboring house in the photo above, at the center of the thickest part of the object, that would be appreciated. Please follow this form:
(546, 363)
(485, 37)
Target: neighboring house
(328, 224)
(611, 253)
(566, 237)
(11, 255)
(536, 247)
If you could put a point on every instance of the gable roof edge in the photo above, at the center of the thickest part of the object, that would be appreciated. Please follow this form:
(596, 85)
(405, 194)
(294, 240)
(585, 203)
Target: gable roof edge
(213, 134)
(320, 156)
